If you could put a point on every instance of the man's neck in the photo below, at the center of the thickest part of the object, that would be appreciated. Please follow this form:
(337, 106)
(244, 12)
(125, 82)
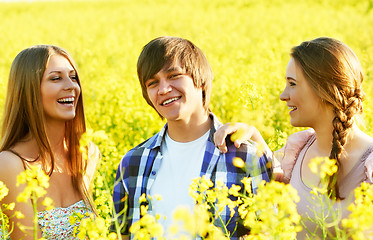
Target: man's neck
(187, 131)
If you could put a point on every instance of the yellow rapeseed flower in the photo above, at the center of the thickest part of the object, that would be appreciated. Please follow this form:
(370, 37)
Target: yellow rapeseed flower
(36, 182)
(234, 190)
(48, 202)
(238, 162)
(146, 228)
(271, 212)
(94, 228)
(323, 166)
(142, 198)
(19, 215)
(3, 190)
(247, 183)
(112, 236)
(359, 222)
(144, 209)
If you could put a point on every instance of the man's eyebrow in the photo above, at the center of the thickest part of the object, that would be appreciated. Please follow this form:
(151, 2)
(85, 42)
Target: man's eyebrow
(169, 70)
(173, 69)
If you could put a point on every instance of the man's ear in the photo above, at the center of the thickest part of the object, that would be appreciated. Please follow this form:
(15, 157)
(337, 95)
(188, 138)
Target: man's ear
(203, 96)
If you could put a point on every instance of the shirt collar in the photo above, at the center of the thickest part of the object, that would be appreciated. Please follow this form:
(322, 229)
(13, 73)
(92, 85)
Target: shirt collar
(158, 139)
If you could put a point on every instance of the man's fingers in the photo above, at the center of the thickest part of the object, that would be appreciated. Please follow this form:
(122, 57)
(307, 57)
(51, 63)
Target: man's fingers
(237, 143)
(223, 148)
(222, 133)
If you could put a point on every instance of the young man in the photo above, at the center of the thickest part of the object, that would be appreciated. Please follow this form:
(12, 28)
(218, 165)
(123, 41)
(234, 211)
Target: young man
(175, 78)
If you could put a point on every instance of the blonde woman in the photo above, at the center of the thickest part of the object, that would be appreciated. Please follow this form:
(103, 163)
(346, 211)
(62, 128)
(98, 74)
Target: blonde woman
(43, 123)
(323, 92)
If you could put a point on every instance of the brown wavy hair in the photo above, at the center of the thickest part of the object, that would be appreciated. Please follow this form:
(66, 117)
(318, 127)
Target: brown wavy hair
(335, 74)
(164, 51)
(24, 114)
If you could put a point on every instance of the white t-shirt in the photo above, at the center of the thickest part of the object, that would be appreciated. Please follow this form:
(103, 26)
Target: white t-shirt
(180, 164)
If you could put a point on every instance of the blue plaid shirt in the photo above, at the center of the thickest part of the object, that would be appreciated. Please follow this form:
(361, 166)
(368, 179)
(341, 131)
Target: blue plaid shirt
(139, 168)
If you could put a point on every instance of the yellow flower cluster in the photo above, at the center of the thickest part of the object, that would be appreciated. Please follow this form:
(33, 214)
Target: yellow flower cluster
(147, 227)
(3, 190)
(196, 223)
(359, 222)
(4, 220)
(95, 229)
(323, 166)
(36, 182)
(185, 225)
(217, 198)
(249, 95)
(271, 213)
(248, 71)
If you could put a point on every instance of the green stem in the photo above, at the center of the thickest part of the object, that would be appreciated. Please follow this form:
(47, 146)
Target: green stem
(2, 223)
(35, 219)
(115, 215)
(252, 103)
(220, 219)
(323, 218)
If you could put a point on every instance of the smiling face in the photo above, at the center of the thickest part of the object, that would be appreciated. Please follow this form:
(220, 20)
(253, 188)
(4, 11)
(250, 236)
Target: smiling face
(60, 90)
(306, 108)
(165, 51)
(174, 96)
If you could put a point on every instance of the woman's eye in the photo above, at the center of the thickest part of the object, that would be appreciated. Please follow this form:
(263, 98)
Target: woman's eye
(292, 84)
(55, 78)
(74, 77)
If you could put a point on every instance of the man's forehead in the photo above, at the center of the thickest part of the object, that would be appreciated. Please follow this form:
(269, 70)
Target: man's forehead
(172, 66)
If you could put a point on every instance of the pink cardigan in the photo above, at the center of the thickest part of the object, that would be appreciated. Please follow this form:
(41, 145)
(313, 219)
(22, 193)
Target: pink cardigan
(286, 157)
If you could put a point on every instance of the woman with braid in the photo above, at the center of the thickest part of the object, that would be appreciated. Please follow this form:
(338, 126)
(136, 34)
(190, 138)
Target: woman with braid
(323, 92)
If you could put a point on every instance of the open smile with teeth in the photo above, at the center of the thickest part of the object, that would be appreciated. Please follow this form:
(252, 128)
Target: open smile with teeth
(168, 101)
(292, 108)
(68, 100)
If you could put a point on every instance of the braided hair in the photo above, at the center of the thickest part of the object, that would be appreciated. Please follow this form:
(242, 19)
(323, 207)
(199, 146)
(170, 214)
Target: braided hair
(335, 74)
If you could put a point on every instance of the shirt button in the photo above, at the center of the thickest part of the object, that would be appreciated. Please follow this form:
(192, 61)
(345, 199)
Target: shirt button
(154, 172)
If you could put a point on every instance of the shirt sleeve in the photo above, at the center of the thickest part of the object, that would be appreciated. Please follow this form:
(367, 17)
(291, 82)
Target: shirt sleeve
(262, 171)
(369, 168)
(287, 156)
(120, 203)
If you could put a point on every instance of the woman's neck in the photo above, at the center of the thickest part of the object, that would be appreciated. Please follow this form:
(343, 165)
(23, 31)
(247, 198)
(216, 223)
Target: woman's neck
(324, 142)
(56, 135)
(324, 139)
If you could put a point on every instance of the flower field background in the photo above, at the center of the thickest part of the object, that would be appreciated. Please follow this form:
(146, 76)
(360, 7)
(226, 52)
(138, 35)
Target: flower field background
(247, 43)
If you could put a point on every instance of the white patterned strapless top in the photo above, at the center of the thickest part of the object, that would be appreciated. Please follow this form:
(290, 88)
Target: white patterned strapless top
(55, 223)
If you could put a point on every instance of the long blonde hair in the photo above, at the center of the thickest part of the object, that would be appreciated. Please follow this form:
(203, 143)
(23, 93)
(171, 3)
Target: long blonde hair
(335, 74)
(24, 115)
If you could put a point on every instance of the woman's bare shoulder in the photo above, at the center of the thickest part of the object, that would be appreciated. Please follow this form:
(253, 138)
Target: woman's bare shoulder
(10, 163)
(11, 167)
(361, 141)
(366, 138)
(364, 145)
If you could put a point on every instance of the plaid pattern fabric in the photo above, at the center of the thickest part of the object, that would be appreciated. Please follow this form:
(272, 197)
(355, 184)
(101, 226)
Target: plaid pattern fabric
(139, 167)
